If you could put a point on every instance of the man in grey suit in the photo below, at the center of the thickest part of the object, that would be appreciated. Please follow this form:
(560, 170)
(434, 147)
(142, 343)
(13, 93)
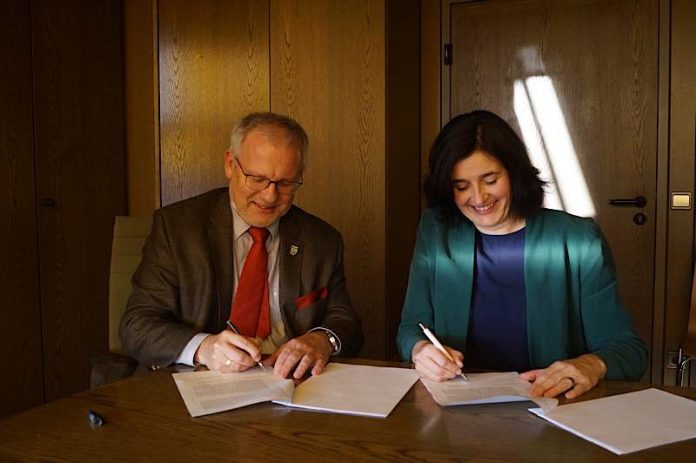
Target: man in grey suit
(184, 288)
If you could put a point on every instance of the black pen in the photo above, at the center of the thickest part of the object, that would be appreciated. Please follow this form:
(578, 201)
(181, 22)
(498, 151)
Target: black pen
(440, 347)
(234, 329)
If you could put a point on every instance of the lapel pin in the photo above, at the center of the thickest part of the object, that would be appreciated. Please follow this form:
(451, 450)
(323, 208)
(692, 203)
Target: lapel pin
(293, 250)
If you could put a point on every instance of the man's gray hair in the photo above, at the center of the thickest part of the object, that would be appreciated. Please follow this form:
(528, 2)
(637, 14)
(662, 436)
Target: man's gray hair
(253, 120)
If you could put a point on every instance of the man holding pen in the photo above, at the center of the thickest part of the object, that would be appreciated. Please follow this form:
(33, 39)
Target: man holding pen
(245, 257)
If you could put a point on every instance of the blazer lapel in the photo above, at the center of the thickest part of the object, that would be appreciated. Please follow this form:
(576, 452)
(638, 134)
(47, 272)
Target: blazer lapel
(454, 276)
(290, 255)
(547, 282)
(220, 240)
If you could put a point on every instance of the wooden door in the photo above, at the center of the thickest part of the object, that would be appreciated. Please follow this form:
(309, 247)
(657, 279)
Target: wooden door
(213, 69)
(20, 314)
(578, 80)
(77, 50)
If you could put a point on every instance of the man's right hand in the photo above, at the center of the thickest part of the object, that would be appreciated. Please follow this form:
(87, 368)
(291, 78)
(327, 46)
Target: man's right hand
(228, 352)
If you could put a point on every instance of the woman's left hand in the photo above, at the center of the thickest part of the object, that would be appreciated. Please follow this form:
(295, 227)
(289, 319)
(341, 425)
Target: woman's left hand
(572, 377)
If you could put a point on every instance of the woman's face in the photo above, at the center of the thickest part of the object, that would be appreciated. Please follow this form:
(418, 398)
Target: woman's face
(482, 192)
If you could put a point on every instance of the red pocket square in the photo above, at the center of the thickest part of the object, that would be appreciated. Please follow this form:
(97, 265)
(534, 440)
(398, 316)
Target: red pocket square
(308, 299)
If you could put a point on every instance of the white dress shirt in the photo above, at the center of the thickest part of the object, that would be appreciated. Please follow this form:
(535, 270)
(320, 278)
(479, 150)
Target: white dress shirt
(242, 245)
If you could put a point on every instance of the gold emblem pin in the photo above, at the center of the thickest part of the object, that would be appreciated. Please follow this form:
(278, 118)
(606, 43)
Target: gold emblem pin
(293, 250)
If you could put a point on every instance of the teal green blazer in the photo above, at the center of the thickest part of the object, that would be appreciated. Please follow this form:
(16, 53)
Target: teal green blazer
(573, 304)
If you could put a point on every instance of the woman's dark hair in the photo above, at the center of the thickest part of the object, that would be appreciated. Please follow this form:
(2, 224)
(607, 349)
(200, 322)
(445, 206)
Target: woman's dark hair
(485, 131)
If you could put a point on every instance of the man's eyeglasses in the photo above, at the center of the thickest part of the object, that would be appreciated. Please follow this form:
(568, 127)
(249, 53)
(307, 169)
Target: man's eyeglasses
(258, 183)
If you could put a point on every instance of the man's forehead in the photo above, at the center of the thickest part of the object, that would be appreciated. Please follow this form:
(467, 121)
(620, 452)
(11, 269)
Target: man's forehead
(270, 132)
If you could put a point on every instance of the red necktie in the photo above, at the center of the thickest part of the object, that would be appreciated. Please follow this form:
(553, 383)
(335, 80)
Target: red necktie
(250, 313)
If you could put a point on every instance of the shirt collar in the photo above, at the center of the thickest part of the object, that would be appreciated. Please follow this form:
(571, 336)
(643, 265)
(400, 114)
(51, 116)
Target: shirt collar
(241, 226)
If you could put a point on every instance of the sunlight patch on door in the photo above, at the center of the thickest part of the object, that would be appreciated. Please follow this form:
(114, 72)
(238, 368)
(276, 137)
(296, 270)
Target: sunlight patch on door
(551, 149)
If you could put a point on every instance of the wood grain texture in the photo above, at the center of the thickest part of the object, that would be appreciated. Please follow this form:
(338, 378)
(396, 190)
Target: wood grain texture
(431, 60)
(20, 314)
(141, 105)
(213, 69)
(145, 420)
(601, 57)
(682, 138)
(328, 72)
(80, 165)
(402, 168)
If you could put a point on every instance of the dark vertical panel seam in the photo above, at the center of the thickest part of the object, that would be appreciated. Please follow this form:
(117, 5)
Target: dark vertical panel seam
(157, 11)
(270, 61)
(37, 200)
(125, 204)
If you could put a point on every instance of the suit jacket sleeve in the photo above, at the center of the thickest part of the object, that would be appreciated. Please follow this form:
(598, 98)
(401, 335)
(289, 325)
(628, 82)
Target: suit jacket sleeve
(151, 327)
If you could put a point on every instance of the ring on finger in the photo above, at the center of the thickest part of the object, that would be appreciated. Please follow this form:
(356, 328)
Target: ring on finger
(228, 362)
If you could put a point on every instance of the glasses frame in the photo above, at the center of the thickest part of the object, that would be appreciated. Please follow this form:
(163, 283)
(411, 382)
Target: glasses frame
(281, 185)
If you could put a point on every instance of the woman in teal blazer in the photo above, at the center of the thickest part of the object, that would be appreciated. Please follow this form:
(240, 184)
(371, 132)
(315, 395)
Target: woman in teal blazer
(506, 284)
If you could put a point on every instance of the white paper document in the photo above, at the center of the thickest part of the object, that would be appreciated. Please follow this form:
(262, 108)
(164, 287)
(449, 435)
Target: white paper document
(485, 388)
(206, 392)
(630, 422)
(340, 388)
(354, 389)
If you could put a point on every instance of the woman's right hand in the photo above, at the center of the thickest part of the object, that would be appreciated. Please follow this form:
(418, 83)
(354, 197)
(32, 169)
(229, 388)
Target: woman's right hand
(433, 364)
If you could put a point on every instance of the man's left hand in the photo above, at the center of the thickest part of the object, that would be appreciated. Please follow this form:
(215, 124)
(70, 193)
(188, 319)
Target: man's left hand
(573, 377)
(310, 350)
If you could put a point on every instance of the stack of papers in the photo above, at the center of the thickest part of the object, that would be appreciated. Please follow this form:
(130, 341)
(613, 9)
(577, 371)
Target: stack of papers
(630, 422)
(340, 388)
(485, 388)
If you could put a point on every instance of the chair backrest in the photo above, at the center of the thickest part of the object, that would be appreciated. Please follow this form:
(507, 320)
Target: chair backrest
(126, 253)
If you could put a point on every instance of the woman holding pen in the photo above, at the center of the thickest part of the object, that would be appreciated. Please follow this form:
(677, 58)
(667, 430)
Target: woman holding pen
(505, 284)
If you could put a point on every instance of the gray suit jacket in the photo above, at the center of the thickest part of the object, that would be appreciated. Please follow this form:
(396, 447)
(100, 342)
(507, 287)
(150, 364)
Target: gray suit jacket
(184, 284)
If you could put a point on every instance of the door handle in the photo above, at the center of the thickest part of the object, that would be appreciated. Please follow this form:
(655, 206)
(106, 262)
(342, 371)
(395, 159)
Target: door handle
(48, 202)
(638, 201)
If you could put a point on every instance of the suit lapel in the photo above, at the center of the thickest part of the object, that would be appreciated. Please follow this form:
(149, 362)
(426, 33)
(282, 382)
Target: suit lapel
(220, 239)
(290, 255)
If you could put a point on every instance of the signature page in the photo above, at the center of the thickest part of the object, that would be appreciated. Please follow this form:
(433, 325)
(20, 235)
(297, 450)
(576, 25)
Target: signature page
(206, 392)
(484, 388)
(354, 389)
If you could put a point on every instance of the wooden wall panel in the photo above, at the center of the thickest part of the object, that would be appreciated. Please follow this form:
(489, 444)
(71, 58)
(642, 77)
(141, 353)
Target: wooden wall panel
(20, 316)
(327, 71)
(431, 59)
(141, 105)
(81, 179)
(213, 62)
(402, 168)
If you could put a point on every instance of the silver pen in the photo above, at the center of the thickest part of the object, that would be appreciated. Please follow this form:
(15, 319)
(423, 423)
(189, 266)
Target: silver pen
(440, 347)
(234, 329)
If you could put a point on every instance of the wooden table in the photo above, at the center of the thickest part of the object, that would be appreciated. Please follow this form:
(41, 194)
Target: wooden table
(146, 420)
